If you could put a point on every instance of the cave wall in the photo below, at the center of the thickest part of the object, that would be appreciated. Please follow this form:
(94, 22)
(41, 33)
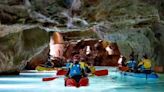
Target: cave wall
(135, 25)
(18, 44)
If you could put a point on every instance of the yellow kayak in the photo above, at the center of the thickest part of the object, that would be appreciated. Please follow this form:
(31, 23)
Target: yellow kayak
(41, 68)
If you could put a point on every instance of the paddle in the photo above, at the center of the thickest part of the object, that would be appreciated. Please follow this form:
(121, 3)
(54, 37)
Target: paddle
(97, 72)
(101, 72)
(123, 69)
(59, 73)
(63, 72)
(49, 78)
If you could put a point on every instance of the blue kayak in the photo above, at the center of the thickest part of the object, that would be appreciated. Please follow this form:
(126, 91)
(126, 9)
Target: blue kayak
(140, 75)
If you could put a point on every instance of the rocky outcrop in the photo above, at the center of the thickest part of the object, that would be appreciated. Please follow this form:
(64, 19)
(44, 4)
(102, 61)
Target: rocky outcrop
(18, 44)
(21, 11)
(140, 41)
(128, 23)
(158, 30)
(38, 59)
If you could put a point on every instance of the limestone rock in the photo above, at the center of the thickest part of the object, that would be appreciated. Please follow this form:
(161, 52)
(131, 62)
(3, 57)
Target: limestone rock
(18, 44)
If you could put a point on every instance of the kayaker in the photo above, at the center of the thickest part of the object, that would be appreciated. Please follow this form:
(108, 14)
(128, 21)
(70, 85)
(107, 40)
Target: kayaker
(122, 61)
(131, 64)
(75, 70)
(145, 65)
(88, 67)
(84, 65)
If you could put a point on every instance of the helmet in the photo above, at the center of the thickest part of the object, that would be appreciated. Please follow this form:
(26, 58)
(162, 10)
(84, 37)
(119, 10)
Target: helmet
(76, 56)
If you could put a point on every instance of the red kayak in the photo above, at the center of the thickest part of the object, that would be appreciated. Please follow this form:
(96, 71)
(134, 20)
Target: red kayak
(49, 78)
(72, 83)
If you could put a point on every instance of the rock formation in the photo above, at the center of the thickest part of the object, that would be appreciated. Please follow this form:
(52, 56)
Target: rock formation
(19, 43)
(134, 25)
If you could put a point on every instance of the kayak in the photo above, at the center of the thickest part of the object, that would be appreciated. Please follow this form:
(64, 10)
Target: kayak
(72, 83)
(140, 75)
(41, 68)
(84, 81)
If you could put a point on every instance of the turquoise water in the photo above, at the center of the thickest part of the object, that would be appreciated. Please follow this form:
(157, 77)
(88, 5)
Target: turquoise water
(114, 82)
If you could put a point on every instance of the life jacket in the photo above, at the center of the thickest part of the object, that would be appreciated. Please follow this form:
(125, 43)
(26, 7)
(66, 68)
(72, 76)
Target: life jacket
(131, 64)
(68, 65)
(83, 64)
(146, 63)
(75, 69)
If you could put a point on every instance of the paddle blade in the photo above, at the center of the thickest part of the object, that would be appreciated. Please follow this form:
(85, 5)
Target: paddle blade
(49, 78)
(101, 72)
(61, 72)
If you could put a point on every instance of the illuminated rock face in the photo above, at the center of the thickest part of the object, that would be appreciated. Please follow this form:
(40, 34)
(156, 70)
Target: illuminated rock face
(56, 50)
(56, 45)
(94, 52)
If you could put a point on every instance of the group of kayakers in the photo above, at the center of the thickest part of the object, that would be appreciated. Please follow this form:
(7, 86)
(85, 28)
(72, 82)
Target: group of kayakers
(132, 65)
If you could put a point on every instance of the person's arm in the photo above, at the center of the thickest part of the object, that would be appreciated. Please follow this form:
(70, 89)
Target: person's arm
(127, 63)
(83, 73)
(87, 70)
(140, 63)
(67, 74)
